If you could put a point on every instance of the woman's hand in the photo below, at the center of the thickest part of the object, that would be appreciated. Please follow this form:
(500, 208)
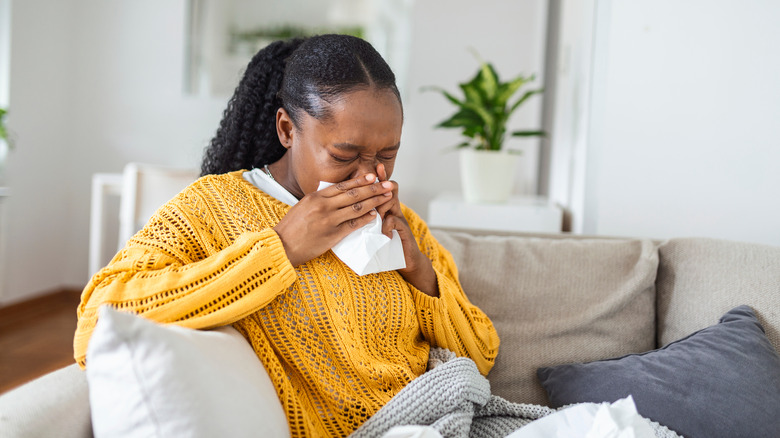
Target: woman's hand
(419, 269)
(321, 219)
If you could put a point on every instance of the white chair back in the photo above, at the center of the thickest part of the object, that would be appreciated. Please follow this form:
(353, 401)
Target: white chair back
(145, 188)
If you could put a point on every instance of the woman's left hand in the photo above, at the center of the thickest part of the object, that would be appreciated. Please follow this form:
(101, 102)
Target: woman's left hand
(419, 269)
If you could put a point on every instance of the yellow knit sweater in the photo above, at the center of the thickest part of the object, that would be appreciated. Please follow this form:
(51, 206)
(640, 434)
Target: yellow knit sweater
(336, 345)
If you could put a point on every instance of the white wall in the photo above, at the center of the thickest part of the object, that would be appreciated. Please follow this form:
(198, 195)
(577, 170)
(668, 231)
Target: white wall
(37, 218)
(128, 59)
(684, 136)
(5, 49)
(680, 115)
(511, 35)
(95, 84)
(677, 134)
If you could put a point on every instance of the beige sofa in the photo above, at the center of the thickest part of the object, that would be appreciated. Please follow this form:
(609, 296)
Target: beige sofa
(554, 299)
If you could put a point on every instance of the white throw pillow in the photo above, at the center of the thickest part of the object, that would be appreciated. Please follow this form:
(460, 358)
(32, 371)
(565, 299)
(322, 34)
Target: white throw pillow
(151, 380)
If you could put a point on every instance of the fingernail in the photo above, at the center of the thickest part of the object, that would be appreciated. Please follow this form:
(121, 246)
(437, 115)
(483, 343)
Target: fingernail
(387, 185)
(372, 212)
(370, 177)
(389, 194)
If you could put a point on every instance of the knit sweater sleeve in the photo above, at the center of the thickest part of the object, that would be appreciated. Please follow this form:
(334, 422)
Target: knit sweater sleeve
(172, 273)
(450, 321)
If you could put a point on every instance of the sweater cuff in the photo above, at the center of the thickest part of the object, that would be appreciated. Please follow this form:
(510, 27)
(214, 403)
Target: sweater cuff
(272, 241)
(424, 301)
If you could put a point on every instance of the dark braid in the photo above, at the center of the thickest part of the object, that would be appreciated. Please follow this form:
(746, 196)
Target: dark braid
(299, 75)
(247, 134)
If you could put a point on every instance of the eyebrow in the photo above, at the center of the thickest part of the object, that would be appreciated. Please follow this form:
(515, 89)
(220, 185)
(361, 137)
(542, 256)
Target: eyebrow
(356, 148)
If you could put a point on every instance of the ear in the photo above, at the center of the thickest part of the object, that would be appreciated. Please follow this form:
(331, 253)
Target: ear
(284, 127)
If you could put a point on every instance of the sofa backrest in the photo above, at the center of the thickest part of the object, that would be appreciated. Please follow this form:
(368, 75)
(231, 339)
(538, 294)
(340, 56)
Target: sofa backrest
(701, 279)
(557, 301)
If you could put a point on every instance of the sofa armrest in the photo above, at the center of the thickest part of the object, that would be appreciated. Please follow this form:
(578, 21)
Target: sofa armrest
(56, 404)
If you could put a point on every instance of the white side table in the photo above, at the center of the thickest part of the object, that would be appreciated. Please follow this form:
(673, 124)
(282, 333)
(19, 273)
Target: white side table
(519, 214)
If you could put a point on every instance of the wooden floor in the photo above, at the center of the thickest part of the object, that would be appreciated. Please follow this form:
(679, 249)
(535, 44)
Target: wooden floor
(36, 337)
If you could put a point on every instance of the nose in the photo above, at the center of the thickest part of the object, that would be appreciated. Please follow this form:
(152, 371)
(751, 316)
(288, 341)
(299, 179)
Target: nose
(366, 165)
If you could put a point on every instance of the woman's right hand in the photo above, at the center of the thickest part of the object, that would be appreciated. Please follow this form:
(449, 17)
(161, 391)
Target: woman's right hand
(322, 218)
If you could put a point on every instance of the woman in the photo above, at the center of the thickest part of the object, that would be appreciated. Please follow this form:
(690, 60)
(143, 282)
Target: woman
(229, 250)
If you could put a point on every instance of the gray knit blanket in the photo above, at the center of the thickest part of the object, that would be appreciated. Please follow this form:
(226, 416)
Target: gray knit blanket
(455, 399)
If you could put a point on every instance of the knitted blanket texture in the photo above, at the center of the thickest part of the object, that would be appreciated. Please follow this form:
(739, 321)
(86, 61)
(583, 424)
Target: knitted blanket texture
(455, 399)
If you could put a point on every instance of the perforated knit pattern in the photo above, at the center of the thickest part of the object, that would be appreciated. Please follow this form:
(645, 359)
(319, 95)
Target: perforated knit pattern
(337, 346)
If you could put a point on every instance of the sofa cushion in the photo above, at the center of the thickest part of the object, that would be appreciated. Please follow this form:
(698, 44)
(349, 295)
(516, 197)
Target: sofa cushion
(554, 301)
(152, 380)
(56, 404)
(700, 279)
(723, 381)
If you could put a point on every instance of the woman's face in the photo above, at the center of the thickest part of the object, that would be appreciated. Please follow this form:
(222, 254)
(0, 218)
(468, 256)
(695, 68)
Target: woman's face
(363, 131)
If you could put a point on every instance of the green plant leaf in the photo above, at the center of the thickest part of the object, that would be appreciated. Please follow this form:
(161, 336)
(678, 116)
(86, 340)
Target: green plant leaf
(488, 80)
(484, 111)
(465, 115)
(507, 89)
(529, 134)
(524, 98)
(473, 131)
(473, 93)
(3, 131)
(446, 94)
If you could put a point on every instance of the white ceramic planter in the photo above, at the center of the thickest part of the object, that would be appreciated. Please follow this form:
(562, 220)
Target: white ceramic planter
(487, 176)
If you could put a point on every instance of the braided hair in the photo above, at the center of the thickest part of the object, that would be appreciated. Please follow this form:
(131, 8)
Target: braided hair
(298, 75)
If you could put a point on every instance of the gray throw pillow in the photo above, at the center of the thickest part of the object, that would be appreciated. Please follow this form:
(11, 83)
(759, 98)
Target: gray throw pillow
(722, 381)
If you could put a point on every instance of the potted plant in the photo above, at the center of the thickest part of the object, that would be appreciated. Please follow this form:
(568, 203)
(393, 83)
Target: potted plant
(487, 166)
(6, 143)
(3, 130)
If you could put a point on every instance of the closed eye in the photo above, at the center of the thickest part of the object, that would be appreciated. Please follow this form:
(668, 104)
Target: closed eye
(344, 159)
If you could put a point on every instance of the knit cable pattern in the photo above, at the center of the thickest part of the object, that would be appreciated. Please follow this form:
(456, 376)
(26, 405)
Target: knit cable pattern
(337, 346)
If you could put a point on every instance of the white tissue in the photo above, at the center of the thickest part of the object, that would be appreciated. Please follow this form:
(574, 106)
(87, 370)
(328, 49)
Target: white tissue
(368, 251)
(590, 420)
(620, 420)
(412, 432)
